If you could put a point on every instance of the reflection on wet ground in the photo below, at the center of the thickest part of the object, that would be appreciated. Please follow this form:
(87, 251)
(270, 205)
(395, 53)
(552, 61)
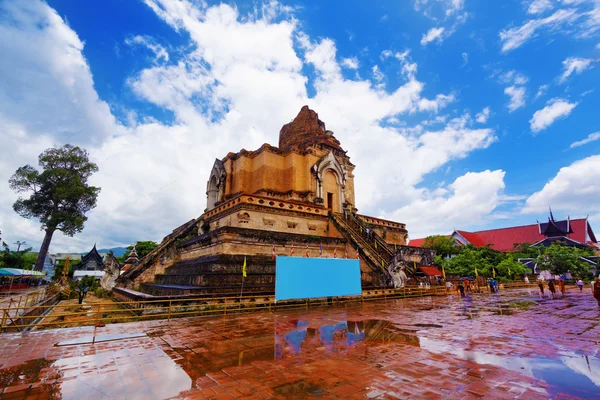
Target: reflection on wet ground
(506, 345)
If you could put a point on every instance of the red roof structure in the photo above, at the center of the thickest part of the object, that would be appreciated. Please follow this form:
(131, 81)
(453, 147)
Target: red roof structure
(416, 242)
(430, 271)
(504, 239)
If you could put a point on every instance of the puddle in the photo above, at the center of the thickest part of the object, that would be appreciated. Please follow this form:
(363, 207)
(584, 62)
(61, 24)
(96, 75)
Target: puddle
(299, 389)
(572, 373)
(27, 372)
(339, 337)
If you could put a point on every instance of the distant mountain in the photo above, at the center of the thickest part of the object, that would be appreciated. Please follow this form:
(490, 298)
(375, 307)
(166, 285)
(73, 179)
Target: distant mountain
(117, 251)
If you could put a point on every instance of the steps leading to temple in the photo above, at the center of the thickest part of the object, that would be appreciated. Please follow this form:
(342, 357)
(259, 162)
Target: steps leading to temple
(220, 274)
(222, 291)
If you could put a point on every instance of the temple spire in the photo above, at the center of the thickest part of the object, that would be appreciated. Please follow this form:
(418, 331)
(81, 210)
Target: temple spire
(132, 258)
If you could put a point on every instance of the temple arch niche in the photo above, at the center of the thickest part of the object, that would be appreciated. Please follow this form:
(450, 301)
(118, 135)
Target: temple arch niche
(215, 185)
(330, 182)
(212, 193)
(331, 191)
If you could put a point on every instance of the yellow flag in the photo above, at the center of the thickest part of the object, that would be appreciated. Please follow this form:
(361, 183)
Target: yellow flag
(476, 274)
(443, 272)
(509, 274)
(244, 268)
(493, 272)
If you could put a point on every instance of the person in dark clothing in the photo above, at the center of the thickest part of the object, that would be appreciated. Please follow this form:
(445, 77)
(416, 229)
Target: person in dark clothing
(541, 286)
(552, 289)
(461, 289)
(596, 290)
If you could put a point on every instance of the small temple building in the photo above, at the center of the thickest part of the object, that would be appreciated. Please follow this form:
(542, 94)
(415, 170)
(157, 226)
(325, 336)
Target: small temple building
(91, 264)
(295, 199)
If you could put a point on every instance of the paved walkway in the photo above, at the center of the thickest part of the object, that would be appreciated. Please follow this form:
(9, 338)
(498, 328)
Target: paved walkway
(504, 346)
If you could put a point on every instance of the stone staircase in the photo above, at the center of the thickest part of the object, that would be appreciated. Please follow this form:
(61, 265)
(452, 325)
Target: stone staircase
(220, 274)
(371, 246)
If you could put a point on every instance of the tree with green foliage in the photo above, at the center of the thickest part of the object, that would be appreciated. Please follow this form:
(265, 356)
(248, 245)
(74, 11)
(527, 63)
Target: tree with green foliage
(141, 248)
(469, 259)
(84, 285)
(560, 259)
(526, 250)
(486, 260)
(509, 267)
(59, 195)
(22, 259)
(444, 246)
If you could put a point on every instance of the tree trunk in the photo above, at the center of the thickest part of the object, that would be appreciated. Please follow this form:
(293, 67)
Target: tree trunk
(39, 263)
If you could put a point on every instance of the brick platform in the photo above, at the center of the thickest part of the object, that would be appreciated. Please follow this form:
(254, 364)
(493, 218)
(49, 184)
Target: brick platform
(507, 345)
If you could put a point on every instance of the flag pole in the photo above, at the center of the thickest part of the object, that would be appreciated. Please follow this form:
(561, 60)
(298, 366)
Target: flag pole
(243, 277)
(242, 289)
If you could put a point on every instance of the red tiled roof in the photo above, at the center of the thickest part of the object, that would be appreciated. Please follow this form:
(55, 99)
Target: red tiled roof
(473, 238)
(430, 271)
(503, 239)
(416, 242)
(420, 242)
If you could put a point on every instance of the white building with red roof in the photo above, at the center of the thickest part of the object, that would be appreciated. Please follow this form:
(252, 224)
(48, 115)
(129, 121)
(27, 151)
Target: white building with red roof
(576, 232)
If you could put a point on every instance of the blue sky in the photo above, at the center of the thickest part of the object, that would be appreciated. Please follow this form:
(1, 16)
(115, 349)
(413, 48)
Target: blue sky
(458, 114)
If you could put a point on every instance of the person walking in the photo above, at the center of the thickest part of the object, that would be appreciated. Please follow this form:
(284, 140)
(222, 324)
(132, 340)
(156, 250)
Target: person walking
(461, 289)
(552, 289)
(562, 287)
(596, 288)
(580, 284)
(541, 286)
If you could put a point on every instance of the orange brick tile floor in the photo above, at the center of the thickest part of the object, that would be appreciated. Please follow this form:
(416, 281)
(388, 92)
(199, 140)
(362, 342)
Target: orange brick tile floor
(510, 345)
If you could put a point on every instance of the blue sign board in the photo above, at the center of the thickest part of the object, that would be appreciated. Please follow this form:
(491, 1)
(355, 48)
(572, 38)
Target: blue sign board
(302, 278)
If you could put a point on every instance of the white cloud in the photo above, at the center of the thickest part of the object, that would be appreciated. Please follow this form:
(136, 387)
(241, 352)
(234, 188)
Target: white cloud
(515, 37)
(517, 97)
(574, 189)
(386, 54)
(377, 74)
(592, 137)
(554, 109)
(465, 57)
(350, 63)
(577, 18)
(539, 6)
(449, 13)
(513, 77)
(483, 116)
(466, 202)
(159, 51)
(448, 7)
(541, 91)
(431, 35)
(574, 65)
(240, 79)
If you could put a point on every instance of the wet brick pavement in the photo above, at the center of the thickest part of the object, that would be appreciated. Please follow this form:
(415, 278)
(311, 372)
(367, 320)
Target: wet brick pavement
(502, 346)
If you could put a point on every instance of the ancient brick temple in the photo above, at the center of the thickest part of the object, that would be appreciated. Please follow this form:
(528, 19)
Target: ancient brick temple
(298, 197)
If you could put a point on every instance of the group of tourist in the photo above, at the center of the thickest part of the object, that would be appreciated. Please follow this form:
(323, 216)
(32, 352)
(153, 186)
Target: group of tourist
(464, 286)
(552, 287)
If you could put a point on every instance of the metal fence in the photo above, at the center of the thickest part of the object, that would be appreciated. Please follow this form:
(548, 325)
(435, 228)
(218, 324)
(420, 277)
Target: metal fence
(19, 317)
